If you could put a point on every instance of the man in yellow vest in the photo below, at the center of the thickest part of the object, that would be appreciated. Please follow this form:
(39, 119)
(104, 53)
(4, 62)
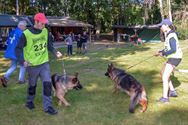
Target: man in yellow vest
(34, 44)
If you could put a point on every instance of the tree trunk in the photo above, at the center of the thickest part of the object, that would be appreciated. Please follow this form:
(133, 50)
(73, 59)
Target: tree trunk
(169, 9)
(146, 13)
(161, 8)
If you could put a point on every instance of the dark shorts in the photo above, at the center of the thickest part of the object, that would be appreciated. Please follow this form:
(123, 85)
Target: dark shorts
(174, 61)
(79, 45)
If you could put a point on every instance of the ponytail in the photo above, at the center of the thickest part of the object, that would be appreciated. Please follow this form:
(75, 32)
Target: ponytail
(172, 27)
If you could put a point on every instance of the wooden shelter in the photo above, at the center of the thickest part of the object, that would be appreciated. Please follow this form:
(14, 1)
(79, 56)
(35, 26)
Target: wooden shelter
(148, 33)
(60, 26)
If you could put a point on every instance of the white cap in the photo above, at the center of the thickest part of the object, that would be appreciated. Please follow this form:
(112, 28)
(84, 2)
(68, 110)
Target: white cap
(23, 23)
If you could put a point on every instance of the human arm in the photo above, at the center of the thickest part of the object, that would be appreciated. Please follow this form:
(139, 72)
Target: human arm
(19, 49)
(172, 49)
(172, 42)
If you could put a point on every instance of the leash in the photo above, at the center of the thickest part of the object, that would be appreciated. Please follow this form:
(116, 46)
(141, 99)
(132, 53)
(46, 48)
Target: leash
(181, 70)
(64, 71)
(63, 67)
(141, 62)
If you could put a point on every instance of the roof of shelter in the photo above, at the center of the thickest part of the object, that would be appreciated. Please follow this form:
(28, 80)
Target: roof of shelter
(12, 20)
(66, 22)
(155, 26)
(57, 21)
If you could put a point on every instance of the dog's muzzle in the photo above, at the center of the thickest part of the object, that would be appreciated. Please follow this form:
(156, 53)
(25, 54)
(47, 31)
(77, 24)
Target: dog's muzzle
(107, 74)
(78, 87)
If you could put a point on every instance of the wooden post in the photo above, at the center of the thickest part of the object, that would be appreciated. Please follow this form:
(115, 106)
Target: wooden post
(115, 34)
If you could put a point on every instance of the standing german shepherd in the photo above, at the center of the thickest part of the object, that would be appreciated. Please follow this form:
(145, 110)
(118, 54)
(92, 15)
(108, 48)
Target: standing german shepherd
(130, 85)
(62, 84)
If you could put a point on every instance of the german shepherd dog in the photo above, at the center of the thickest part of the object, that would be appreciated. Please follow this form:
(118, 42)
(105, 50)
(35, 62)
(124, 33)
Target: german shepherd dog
(128, 84)
(62, 84)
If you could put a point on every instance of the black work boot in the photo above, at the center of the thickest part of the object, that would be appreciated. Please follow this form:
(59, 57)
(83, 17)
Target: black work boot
(30, 105)
(51, 110)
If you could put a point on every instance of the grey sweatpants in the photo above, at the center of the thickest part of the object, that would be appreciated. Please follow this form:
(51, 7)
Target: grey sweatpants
(42, 71)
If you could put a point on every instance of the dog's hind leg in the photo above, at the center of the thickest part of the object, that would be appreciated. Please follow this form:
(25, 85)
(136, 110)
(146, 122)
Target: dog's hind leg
(53, 91)
(134, 98)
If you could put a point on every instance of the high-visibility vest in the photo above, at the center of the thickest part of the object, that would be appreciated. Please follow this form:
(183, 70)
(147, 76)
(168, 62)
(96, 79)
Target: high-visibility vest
(36, 51)
(178, 54)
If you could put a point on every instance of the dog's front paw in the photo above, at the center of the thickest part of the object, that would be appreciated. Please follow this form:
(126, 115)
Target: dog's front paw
(67, 104)
(60, 103)
(115, 91)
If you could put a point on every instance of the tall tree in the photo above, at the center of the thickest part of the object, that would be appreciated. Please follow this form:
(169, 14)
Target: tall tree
(161, 8)
(169, 9)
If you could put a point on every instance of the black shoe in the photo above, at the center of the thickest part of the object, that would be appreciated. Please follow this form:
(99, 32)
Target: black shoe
(30, 105)
(51, 110)
(4, 81)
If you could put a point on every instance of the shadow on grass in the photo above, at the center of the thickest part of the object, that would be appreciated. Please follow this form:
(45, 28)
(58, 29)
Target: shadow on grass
(172, 116)
(175, 81)
(114, 52)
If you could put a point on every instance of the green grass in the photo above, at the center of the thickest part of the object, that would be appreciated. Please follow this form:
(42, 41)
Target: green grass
(96, 104)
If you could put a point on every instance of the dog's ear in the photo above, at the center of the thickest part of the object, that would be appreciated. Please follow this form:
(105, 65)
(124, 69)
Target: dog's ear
(76, 74)
(74, 80)
(111, 66)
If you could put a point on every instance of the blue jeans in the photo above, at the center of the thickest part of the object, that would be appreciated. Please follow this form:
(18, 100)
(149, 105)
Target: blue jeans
(84, 46)
(69, 49)
(13, 68)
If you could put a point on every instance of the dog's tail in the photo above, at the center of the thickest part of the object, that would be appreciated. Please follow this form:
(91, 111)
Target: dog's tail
(139, 96)
(54, 79)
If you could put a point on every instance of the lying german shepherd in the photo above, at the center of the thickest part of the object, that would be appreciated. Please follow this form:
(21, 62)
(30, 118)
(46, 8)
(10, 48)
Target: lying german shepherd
(62, 84)
(130, 85)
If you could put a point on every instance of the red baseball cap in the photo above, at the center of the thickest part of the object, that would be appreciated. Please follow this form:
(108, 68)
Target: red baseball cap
(41, 18)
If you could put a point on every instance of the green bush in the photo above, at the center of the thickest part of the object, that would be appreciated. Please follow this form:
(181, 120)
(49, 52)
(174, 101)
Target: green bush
(182, 32)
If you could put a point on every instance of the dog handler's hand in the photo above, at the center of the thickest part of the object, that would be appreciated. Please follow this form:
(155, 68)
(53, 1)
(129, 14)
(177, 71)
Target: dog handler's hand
(58, 54)
(158, 54)
(26, 64)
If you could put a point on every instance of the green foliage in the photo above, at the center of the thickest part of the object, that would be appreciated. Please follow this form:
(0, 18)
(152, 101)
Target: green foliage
(182, 32)
(102, 14)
